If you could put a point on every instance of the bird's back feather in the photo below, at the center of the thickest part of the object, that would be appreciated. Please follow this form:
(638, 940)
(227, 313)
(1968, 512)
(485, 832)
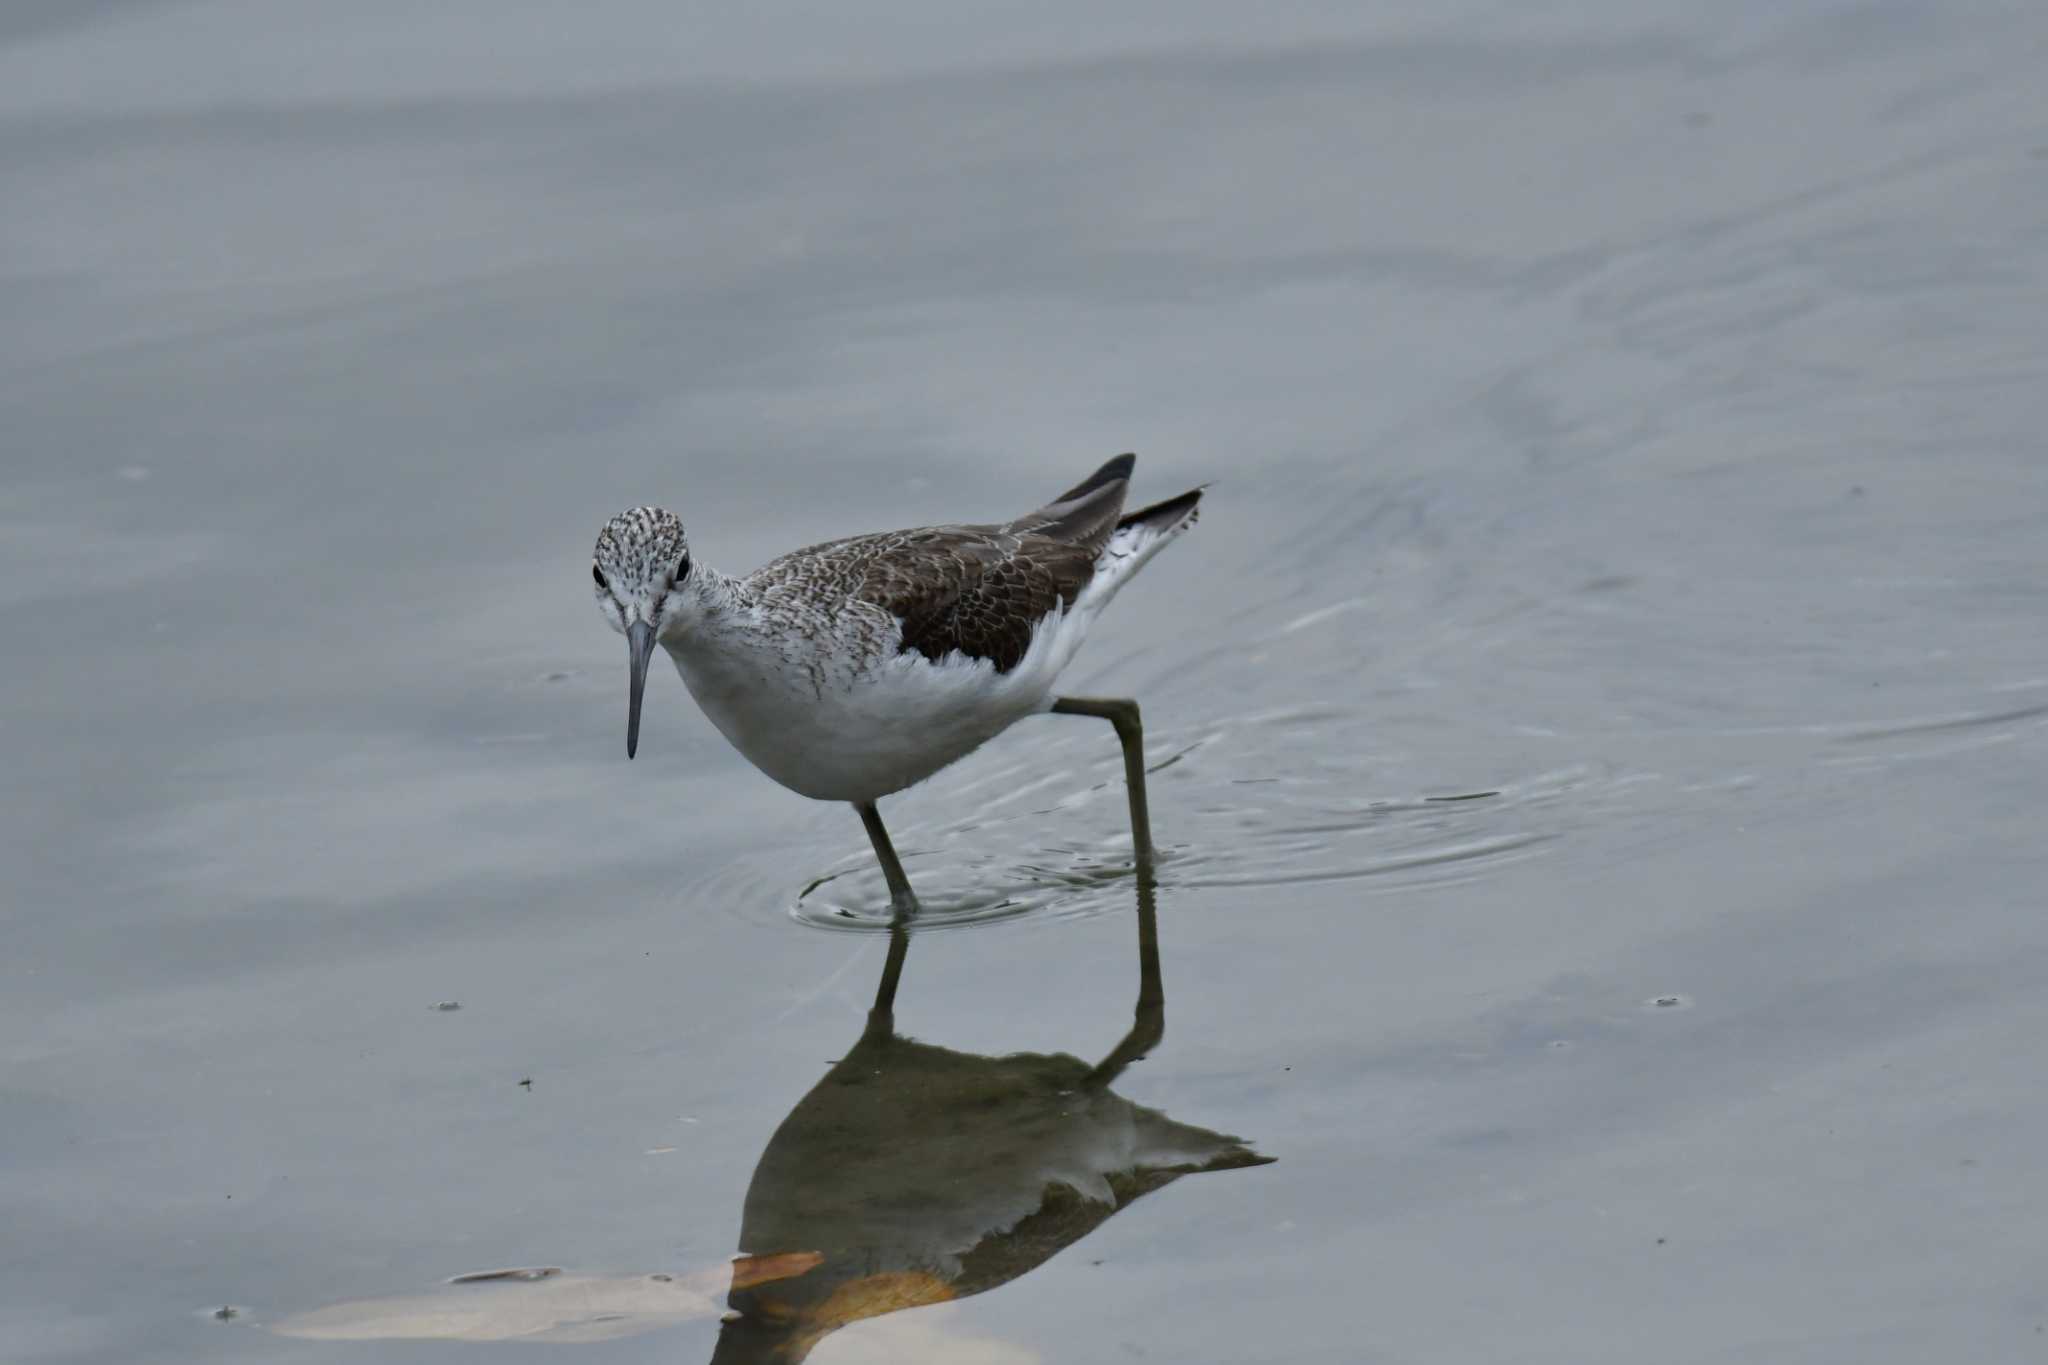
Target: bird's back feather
(981, 590)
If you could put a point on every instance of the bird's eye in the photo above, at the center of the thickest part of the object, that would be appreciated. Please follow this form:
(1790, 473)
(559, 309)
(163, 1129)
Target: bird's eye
(598, 574)
(682, 570)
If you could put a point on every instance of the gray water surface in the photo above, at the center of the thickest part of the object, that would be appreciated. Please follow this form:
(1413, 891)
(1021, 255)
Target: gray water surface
(1626, 418)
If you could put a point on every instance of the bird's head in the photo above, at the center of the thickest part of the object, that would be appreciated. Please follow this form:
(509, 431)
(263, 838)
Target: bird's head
(641, 566)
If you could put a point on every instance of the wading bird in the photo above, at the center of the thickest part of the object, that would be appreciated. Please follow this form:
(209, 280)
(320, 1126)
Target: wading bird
(853, 669)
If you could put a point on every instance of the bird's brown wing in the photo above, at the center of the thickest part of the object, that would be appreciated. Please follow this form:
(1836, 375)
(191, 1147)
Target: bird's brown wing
(973, 590)
(979, 591)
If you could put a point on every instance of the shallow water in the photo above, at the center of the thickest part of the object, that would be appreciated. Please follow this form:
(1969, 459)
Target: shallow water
(1599, 724)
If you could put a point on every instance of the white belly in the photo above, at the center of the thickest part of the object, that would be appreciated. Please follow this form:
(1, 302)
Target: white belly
(860, 734)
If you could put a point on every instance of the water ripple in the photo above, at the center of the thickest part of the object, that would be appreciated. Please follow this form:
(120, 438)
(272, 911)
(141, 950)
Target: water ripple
(1284, 797)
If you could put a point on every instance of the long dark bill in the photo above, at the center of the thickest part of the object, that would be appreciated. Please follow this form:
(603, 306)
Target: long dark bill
(639, 644)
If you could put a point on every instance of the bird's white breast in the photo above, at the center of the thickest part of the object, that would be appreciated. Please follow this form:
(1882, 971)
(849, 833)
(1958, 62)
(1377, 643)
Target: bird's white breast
(848, 717)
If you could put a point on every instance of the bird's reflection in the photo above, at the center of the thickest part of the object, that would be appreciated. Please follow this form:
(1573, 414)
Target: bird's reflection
(916, 1174)
(910, 1174)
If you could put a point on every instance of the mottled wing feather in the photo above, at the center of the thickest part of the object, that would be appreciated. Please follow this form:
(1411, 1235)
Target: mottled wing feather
(979, 591)
(1085, 514)
(974, 590)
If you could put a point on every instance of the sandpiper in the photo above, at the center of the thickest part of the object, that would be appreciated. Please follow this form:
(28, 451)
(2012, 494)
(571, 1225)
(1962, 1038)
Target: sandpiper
(853, 669)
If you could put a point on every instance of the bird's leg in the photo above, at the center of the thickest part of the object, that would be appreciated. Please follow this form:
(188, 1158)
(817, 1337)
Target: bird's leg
(900, 898)
(1122, 712)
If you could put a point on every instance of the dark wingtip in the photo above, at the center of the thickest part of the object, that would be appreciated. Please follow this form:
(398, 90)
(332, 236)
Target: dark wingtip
(1119, 468)
(1165, 513)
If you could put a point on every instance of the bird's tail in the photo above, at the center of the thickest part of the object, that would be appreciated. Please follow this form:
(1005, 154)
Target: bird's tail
(1136, 539)
(1167, 518)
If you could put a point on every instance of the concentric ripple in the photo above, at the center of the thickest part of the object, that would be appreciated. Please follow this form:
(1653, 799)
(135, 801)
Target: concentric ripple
(1264, 801)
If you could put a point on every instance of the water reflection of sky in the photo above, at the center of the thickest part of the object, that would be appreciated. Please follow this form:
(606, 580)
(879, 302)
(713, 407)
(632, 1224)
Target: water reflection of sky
(1631, 411)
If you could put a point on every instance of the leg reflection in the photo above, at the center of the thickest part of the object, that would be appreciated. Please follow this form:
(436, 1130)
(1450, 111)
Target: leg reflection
(882, 1014)
(1149, 1025)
